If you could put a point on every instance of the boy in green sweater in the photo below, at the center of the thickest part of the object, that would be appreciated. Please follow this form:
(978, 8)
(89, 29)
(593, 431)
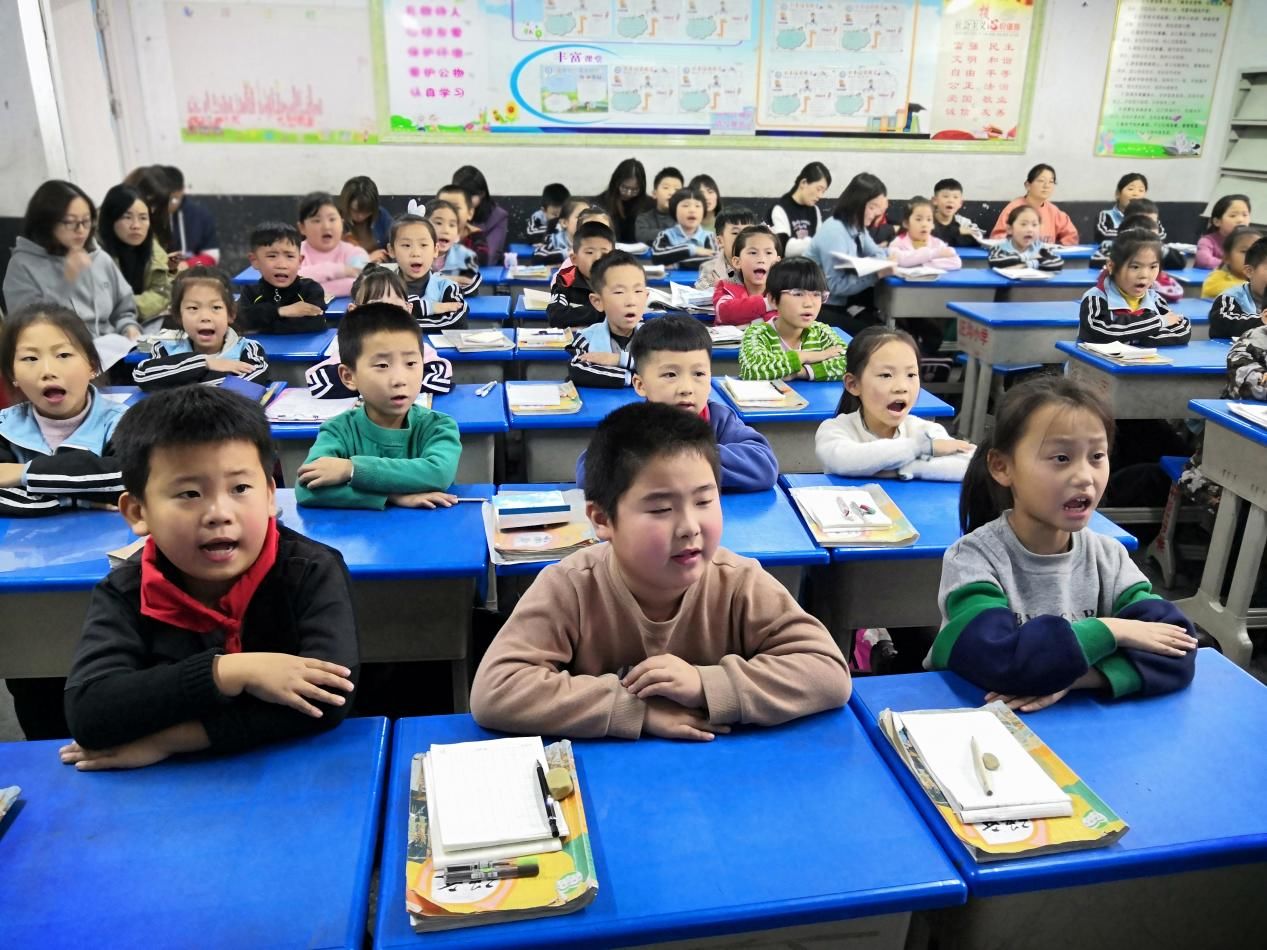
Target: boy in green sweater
(386, 450)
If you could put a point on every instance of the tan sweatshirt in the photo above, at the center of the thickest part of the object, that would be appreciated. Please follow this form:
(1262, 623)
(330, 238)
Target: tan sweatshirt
(554, 668)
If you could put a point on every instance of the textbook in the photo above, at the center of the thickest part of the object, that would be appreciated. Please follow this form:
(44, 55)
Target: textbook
(865, 515)
(1126, 354)
(689, 299)
(112, 347)
(1254, 412)
(920, 273)
(543, 338)
(146, 343)
(635, 248)
(862, 266)
(529, 272)
(471, 341)
(119, 556)
(1021, 272)
(1089, 824)
(763, 394)
(542, 543)
(526, 398)
(529, 509)
(256, 392)
(297, 404)
(726, 336)
(535, 299)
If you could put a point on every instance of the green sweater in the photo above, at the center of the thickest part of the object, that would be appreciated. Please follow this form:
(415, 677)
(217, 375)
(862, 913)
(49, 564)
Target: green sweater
(423, 456)
(762, 356)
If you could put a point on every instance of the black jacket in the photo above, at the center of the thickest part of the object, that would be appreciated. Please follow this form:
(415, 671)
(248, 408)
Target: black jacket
(258, 304)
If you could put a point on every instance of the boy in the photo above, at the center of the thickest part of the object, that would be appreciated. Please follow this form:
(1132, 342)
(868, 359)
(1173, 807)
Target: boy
(729, 223)
(468, 233)
(688, 239)
(662, 631)
(672, 359)
(228, 630)
(193, 228)
(570, 290)
(386, 450)
(948, 224)
(543, 219)
(600, 353)
(280, 301)
(1233, 312)
(668, 181)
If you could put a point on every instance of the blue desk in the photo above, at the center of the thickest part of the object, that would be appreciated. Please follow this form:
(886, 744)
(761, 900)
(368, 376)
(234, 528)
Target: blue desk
(483, 310)
(1192, 278)
(476, 367)
(272, 847)
(791, 432)
(524, 316)
(897, 586)
(1196, 371)
(289, 354)
(527, 251)
(903, 299)
(683, 852)
(500, 277)
(978, 257)
(552, 443)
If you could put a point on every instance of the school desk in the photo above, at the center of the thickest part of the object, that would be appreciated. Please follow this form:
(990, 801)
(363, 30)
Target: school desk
(477, 367)
(1184, 771)
(498, 277)
(1191, 278)
(481, 420)
(271, 847)
(897, 586)
(978, 257)
(900, 299)
(1153, 391)
(524, 316)
(544, 365)
(483, 310)
(791, 431)
(759, 829)
(527, 251)
(1235, 456)
(553, 442)
(289, 354)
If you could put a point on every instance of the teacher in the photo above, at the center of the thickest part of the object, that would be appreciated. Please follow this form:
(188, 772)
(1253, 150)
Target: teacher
(1054, 226)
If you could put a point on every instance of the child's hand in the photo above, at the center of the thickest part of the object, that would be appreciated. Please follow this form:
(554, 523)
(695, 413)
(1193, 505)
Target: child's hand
(133, 333)
(819, 356)
(1166, 639)
(668, 676)
(601, 359)
(131, 755)
(1028, 703)
(668, 720)
(283, 679)
(11, 474)
(946, 251)
(325, 471)
(423, 499)
(235, 367)
(76, 262)
(448, 306)
(951, 447)
(300, 308)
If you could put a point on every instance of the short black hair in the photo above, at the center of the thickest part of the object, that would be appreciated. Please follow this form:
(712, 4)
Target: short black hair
(437, 204)
(1140, 206)
(1238, 234)
(734, 214)
(617, 258)
(314, 201)
(634, 435)
(553, 194)
(46, 209)
(1256, 254)
(668, 171)
(593, 229)
(401, 220)
(1141, 220)
(212, 276)
(63, 318)
(454, 188)
(372, 318)
(674, 333)
(188, 415)
(747, 234)
(175, 177)
(948, 184)
(274, 232)
(794, 273)
(685, 194)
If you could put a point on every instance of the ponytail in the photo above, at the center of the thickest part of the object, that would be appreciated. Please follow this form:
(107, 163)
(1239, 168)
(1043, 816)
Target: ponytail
(981, 499)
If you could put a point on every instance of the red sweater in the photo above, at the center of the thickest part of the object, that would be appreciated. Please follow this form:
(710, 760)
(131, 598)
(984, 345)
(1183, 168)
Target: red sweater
(734, 306)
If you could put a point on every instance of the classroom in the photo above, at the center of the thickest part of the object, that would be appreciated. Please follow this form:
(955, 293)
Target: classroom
(631, 473)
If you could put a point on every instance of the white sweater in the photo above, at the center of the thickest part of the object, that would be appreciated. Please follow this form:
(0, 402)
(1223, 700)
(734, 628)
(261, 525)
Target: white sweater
(845, 447)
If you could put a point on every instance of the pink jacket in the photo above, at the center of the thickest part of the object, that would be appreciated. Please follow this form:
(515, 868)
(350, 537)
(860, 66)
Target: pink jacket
(735, 307)
(1055, 227)
(1210, 250)
(907, 255)
(327, 267)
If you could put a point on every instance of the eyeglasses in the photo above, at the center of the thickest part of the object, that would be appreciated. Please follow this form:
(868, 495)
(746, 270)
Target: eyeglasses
(629, 191)
(807, 294)
(76, 224)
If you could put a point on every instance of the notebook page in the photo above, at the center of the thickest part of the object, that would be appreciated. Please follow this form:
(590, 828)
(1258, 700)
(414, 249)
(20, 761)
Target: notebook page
(534, 394)
(754, 390)
(487, 793)
(296, 404)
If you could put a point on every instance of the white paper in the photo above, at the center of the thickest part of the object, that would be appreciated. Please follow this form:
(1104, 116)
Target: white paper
(1020, 272)
(861, 265)
(726, 335)
(534, 395)
(833, 509)
(112, 347)
(1255, 414)
(683, 297)
(1120, 351)
(297, 404)
(922, 272)
(754, 392)
(534, 298)
(636, 248)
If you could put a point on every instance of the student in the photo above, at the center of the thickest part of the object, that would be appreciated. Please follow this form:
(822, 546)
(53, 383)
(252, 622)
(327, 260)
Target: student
(56, 262)
(1055, 227)
(1023, 246)
(1130, 186)
(194, 237)
(707, 185)
(948, 224)
(327, 258)
(1123, 306)
(368, 223)
(209, 348)
(1247, 365)
(123, 231)
(228, 630)
(794, 345)
(1229, 213)
(600, 352)
(1230, 273)
(453, 259)
(544, 218)
(437, 302)
(281, 301)
(739, 302)
(387, 450)
(795, 217)
(1169, 289)
(489, 221)
(916, 245)
(625, 199)
(460, 199)
(1240, 309)
(377, 284)
(558, 243)
(1032, 604)
(672, 357)
(729, 223)
(688, 239)
(851, 305)
(570, 291)
(662, 631)
(668, 182)
(873, 431)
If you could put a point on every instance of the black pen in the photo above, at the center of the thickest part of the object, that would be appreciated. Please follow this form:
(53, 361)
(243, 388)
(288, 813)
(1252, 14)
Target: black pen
(492, 872)
(548, 801)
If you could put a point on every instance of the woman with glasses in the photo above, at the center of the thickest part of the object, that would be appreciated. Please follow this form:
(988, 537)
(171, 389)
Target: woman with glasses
(1054, 226)
(124, 232)
(625, 198)
(56, 261)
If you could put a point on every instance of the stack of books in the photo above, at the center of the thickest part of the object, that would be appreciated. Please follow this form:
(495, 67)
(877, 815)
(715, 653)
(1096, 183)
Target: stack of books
(1125, 353)
(680, 297)
(726, 336)
(472, 341)
(1021, 272)
(531, 527)
(763, 394)
(530, 272)
(863, 515)
(543, 338)
(297, 404)
(535, 399)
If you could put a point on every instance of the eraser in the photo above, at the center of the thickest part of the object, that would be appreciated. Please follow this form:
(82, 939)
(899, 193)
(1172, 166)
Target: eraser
(559, 781)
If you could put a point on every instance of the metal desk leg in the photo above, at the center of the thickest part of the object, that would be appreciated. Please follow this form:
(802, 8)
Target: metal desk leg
(1227, 623)
(969, 403)
(985, 382)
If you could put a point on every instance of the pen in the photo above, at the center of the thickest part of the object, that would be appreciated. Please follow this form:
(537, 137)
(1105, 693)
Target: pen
(486, 388)
(494, 872)
(548, 801)
(480, 500)
(983, 763)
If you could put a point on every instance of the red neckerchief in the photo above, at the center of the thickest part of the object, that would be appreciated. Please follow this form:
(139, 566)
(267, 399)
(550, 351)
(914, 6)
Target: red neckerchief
(703, 413)
(162, 600)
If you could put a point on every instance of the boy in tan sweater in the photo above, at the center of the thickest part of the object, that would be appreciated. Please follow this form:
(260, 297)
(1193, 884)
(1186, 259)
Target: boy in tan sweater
(660, 631)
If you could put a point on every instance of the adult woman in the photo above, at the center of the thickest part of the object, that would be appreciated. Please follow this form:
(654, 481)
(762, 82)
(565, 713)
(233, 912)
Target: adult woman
(489, 220)
(156, 191)
(1055, 227)
(795, 216)
(625, 198)
(850, 303)
(125, 234)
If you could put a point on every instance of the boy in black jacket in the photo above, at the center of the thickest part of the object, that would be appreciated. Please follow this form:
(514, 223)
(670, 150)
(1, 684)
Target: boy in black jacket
(227, 631)
(570, 291)
(280, 301)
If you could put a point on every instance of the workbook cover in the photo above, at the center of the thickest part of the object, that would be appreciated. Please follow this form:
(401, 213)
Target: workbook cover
(839, 516)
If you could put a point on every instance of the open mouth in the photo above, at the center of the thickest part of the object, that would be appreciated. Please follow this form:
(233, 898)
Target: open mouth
(897, 405)
(327, 237)
(1077, 505)
(399, 401)
(688, 557)
(206, 335)
(415, 267)
(442, 245)
(759, 273)
(54, 394)
(219, 549)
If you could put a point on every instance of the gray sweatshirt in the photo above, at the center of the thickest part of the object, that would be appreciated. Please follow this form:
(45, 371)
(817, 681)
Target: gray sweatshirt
(100, 295)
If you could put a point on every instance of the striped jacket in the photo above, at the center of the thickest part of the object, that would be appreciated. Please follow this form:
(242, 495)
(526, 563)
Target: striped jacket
(569, 304)
(1038, 255)
(1105, 317)
(763, 356)
(599, 339)
(1235, 311)
(671, 245)
(423, 295)
(174, 363)
(461, 262)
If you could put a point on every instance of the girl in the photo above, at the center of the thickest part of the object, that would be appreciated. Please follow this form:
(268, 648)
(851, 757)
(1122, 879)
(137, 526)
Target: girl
(437, 302)
(377, 284)
(712, 198)
(125, 234)
(210, 349)
(486, 230)
(1055, 227)
(1230, 273)
(55, 261)
(558, 243)
(794, 345)
(368, 222)
(795, 216)
(851, 305)
(1129, 187)
(625, 198)
(157, 190)
(326, 257)
(1124, 306)
(1229, 213)
(453, 259)
(688, 239)
(1033, 605)
(1023, 246)
(737, 303)
(873, 432)
(916, 246)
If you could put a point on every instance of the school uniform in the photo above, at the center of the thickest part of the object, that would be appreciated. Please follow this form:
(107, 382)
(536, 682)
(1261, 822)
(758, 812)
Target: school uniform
(569, 304)
(733, 306)
(762, 354)
(323, 380)
(795, 225)
(1235, 311)
(423, 295)
(673, 245)
(538, 224)
(650, 223)
(954, 232)
(1247, 366)
(599, 338)
(174, 363)
(1220, 281)
(1106, 316)
(259, 303)
(554, 247)
(1170, 258)
(194, 234)
(845, 446)
(1054, 226)
(1038, 255)
(99, 295)
(460, 261)
(1110, 222)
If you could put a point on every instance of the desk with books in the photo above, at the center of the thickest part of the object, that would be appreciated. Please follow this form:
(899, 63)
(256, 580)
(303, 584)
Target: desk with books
(978, 257)
(289, 354)
(271, 847)
(1153, 390)
(476, 366)
(757, 830)
(483, 310)
(553, 442)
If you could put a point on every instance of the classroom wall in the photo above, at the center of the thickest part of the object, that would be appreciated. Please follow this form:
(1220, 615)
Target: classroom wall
(30, 137)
